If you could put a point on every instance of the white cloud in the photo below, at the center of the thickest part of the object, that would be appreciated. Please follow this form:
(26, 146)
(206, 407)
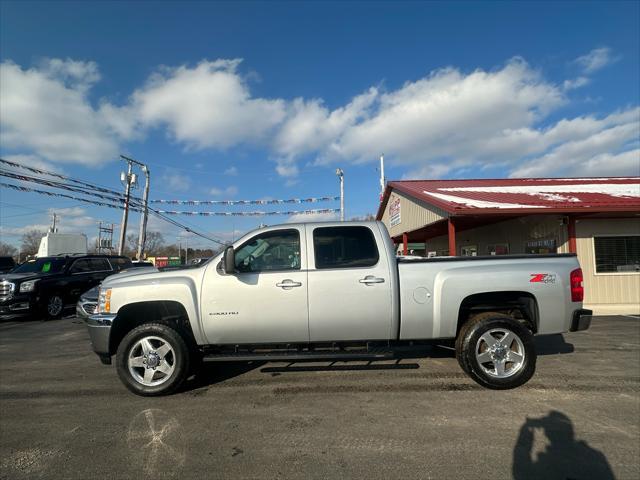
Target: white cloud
(207, 106)
(574, 83)
(452, 117)
(32, 161)
(76, 74)
(175, 181)
(447, 122)
(228, 192)
(585, 144)
(46, 112)
(310, 126)
(595, 59)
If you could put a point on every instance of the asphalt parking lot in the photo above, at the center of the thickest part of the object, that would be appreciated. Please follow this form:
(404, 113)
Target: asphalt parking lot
(64, 415)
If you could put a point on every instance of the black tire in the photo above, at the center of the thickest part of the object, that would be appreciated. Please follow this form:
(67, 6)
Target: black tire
(470, 342)
(178, 360)
(53, 307)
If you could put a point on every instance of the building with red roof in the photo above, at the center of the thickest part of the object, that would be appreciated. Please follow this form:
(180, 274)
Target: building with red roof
(596, 218)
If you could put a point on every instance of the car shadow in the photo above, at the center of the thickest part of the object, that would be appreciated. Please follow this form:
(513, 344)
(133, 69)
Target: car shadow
(552, 345)
(211, 373)
(562, 457)
(339, 366)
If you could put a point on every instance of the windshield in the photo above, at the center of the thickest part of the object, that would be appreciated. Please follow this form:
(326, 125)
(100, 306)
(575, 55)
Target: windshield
(42, 265)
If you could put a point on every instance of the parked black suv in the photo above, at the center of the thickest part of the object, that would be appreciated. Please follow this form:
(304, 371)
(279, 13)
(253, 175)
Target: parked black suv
(46, 285)
(6, 264)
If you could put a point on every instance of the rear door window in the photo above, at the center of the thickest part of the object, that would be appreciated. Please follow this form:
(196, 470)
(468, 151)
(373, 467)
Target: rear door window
(120, 263)
(344, 247)
(81, 266)
(99, 265)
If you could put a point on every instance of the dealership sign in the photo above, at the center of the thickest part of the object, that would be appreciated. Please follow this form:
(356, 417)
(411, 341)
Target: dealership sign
(394, 211)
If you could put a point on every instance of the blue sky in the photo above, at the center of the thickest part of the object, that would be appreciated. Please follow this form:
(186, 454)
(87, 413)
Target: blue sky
(258, 100)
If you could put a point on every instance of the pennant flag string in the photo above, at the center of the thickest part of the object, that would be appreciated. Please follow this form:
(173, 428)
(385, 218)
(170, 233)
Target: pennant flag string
(249, 214)
(246, 202)
(21, 188)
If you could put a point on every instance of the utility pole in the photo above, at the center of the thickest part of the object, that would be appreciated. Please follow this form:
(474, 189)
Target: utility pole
(382, 179)
(340, 174)
(142, 237)
(127, 193)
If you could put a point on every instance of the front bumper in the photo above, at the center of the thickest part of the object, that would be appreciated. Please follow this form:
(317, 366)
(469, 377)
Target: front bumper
(581, 320)
(99, 326)
(85, 308)
(17, 305)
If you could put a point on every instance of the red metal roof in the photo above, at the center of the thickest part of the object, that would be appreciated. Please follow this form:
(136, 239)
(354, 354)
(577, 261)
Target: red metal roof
(523, 195)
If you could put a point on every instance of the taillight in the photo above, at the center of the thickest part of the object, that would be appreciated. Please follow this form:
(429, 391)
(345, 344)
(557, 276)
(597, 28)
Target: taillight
(577, 289)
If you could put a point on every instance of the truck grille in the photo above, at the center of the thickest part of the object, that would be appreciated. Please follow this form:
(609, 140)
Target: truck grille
(6, 289)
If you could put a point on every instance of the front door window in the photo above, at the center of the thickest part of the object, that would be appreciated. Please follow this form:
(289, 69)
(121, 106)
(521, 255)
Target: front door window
(270, 251)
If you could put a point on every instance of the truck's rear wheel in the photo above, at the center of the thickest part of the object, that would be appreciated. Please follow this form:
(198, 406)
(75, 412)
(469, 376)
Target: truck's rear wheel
(496, 351)
(153, 359)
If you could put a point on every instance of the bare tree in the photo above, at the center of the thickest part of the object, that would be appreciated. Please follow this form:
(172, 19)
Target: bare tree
(152, 246)
(7, 250)
(154, 242)
(31, 242)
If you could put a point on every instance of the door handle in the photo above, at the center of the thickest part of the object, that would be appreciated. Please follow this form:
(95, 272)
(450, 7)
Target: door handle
(370, 279)
(286, 284)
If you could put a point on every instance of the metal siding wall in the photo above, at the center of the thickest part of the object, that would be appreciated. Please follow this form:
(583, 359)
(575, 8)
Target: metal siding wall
(414, 214)
(609, 289)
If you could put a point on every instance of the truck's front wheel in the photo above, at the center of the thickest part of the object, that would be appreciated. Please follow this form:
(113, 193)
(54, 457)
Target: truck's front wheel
(153, 359)
(496, 351)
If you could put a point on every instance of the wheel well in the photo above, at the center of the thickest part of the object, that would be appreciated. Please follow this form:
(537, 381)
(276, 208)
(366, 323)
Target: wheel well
(133, 315)
(521, 306)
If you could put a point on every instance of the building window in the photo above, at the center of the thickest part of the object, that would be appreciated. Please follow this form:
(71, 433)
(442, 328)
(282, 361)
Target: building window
(617, 254)
(498, 249)
(469, 251)
(541, 246)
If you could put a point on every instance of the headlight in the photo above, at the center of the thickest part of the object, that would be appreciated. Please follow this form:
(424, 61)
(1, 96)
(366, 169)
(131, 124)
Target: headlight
(104, 300)
(28, 286)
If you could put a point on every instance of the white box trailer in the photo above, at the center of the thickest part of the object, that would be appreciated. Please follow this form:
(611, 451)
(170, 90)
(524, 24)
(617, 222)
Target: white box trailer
(61, 243)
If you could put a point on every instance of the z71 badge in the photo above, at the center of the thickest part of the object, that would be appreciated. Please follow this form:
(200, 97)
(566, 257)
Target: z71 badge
(542, 278)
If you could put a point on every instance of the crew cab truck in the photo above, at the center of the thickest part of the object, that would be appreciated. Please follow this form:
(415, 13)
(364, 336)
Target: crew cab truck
(334, 291)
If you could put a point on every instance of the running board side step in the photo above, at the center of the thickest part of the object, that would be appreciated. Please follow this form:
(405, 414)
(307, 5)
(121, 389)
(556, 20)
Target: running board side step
(298, 356)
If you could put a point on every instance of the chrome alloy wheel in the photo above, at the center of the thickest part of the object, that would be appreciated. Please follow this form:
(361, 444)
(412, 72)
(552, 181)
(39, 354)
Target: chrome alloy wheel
(151, 361)
(500, 353)
(54, 306)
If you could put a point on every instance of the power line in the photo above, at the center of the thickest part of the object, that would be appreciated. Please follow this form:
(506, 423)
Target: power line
(90, 186)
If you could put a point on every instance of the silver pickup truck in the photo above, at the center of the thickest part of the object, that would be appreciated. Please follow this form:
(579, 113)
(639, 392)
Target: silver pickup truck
(334, 291)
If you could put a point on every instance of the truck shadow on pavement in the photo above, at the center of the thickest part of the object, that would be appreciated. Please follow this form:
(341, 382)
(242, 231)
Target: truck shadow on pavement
(211, 373)
(547, 448)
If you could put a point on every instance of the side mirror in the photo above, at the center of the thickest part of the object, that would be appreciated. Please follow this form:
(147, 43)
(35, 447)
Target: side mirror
(229, 260)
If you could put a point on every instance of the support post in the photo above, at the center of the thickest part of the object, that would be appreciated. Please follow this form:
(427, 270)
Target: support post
(125, 213)
(452, 237)
(405, 244)
(340, 174)
(571, 230)
(142, 236)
